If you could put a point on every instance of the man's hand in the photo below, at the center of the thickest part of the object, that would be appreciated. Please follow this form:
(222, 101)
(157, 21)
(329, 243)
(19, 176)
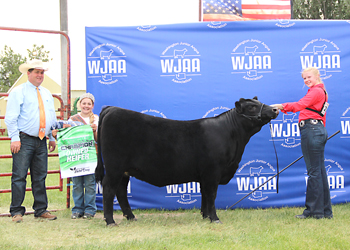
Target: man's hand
(15, 147)
(52, 145)
(54, 133)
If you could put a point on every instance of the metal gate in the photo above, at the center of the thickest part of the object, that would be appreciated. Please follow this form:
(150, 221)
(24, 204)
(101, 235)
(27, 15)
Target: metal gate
(63, 108)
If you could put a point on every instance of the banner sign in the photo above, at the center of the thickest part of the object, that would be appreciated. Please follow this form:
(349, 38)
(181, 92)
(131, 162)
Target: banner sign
(198, 70)
(76, 151)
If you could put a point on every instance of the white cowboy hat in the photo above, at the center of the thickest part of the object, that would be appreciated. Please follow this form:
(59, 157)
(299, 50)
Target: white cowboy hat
(33, 64)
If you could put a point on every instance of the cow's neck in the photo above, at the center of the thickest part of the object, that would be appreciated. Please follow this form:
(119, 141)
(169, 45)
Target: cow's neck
(246, 127)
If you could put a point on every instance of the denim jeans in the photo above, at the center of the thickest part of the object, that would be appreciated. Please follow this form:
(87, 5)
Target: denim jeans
(84, 202)
(33, 156)
(313, 141)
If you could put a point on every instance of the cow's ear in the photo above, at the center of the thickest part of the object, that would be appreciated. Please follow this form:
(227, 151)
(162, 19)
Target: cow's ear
(239, 106)
(255, 98)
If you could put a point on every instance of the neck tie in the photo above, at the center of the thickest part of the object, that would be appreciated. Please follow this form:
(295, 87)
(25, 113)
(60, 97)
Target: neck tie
(42, 116)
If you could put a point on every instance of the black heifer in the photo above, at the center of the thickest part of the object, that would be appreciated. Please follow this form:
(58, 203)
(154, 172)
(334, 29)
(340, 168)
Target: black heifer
(163, 152)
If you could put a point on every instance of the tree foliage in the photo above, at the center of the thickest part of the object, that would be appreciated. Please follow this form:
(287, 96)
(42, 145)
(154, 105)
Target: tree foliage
(321, 9)
(38, 52)
(10, 61)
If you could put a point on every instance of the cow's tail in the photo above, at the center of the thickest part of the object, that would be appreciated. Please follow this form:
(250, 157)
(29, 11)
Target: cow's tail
(100, 171)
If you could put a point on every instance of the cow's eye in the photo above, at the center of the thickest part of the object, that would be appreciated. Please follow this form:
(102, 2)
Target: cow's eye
(252, 108)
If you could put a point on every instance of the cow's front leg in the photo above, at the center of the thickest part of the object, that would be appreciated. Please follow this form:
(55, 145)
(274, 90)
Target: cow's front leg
(109, 192)
(209, 191)
(122, 196)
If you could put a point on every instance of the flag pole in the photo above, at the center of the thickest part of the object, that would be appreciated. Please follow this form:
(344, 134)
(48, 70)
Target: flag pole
(200, 11)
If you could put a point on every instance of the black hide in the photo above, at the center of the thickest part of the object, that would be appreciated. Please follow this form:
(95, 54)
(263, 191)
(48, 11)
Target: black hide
(163, 151)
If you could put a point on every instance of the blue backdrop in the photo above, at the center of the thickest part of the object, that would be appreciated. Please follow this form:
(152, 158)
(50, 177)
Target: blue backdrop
(190, 71)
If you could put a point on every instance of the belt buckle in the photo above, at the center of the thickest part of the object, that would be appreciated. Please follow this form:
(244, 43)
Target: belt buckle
(302, 123)
(314, 122)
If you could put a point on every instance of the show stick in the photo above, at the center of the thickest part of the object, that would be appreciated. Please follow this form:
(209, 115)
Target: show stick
(277, 174)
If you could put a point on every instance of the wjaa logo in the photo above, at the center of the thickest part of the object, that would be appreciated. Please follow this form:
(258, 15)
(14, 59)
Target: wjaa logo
(106, 63)
(216, 111)
(99, 192)
(253, 174)
(153, 112)
(345, 124)
(216, 25)
(322, 54)
(180, 62)
(146, 28)
(285, 23)
(186, 193)
(286, 131)
(335, 176)
(251, 59)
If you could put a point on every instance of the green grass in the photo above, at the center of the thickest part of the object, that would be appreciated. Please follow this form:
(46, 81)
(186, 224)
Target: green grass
(241, 229)
(182, 229)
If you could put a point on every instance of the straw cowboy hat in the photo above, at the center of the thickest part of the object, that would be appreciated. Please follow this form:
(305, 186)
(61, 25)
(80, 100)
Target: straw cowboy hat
(33, 64)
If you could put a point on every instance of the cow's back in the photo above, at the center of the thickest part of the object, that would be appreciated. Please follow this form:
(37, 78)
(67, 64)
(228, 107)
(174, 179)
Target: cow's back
(156, 150)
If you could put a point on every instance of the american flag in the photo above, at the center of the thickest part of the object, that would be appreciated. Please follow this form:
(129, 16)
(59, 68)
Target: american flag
(234, 10)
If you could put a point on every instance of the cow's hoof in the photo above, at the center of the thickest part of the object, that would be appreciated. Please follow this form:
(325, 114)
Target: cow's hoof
(217, 221)
(205, 216)
(112, 225)
(130, 218)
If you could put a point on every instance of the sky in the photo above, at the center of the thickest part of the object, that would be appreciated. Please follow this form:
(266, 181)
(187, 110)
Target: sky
(45, 15)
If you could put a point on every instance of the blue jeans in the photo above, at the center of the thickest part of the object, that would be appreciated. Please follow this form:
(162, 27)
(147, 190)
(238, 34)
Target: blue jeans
(84, 202)
(33, 156)
(313, 140)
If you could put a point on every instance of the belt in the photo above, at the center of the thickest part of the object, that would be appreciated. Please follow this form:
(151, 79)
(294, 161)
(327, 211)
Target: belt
(310, 121)
(28, 135)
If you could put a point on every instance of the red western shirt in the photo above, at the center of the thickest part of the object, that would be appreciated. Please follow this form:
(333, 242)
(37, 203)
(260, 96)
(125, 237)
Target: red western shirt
(314, 99)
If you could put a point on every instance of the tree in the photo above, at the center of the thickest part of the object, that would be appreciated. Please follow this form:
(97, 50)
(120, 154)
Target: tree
(38, 53)
(321, 9)
(10, 61)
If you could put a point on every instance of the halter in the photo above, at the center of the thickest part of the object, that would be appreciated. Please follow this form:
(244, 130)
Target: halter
(250, 117)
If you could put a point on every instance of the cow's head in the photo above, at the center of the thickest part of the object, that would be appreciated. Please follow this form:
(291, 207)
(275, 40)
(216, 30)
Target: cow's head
(254, 110)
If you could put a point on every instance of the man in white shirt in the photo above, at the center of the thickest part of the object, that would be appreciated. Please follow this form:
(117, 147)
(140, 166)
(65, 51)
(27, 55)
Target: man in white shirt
(28, 150)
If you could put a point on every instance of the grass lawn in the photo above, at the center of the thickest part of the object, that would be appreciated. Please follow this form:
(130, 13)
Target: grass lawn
(183, 229)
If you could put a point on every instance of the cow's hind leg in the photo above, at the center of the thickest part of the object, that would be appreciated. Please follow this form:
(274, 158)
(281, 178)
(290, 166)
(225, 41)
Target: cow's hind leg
(109, 191)
(122, 196)
(204, 206)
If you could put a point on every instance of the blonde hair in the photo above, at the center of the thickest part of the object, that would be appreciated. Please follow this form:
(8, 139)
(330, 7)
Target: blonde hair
(92, 98)
(92, 118)
(314, 71)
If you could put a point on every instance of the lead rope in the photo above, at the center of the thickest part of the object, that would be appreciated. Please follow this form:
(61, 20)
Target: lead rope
(275, 175)
(278, 168)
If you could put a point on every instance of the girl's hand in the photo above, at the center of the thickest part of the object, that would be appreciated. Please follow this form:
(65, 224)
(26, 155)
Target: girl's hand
(279, 106)
(94, 127)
